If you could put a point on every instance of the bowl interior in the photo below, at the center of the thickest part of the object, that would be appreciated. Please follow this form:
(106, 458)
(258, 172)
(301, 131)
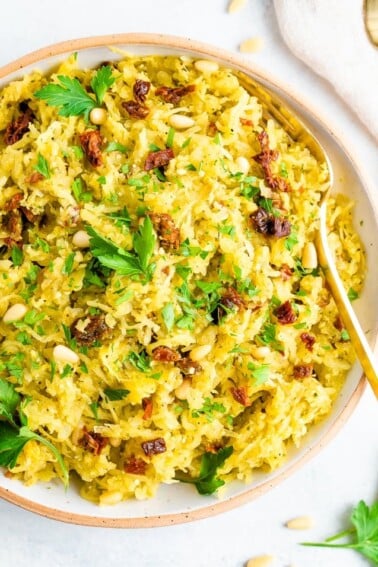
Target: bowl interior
(178, 502)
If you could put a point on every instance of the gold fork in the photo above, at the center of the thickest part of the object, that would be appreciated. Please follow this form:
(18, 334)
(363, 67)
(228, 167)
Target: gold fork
(274, 107)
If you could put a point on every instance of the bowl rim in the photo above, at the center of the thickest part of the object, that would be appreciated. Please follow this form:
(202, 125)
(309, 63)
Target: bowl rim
(207, 51)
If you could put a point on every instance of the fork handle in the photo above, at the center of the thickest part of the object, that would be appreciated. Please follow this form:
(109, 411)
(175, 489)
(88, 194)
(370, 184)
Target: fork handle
(349, 318)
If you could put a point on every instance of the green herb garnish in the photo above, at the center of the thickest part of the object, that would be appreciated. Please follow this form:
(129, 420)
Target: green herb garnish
(208, 482)
(68, 264)
(352, 294)
(363, 536)
(123, 261)
(116, 394)
(72, 98)
(42, 167)
(17, 256)
(168, 315)
(141, 361)
(12, 438)
(260, 374)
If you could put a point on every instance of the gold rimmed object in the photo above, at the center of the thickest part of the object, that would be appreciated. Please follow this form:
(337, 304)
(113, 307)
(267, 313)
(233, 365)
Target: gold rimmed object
(371, 20)
(274, 107)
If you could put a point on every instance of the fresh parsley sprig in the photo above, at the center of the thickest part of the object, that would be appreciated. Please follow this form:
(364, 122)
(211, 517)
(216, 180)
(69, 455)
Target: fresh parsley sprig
(14, 438)
(363, 535)
(125, 262)
(101, 82)
(70, 95)
(207, 482)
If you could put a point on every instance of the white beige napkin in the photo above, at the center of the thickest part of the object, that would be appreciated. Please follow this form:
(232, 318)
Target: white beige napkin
(330, 37)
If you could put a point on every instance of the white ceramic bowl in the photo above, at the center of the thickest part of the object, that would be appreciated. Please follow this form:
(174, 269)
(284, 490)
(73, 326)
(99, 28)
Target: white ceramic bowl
(179, 502)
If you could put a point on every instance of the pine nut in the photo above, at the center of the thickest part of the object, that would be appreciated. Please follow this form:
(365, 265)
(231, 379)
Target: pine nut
(81, 239)
(242, 164)
(199, 352)
(309, 256)
(182, 391)
(205, 66)
(15, 313)
(260, 561)
(300, 523)
(181, 122)
(97, 116)
(62, 353)
(260, 352)
(110, 498)
(251, 45)
(235, 6)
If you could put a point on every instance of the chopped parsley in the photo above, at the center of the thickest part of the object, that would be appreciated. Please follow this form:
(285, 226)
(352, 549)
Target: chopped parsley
(42, 167)
(208, 409)
(207, 481)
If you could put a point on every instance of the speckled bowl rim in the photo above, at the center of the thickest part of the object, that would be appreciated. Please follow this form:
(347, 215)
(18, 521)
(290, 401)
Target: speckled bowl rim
(206, 51)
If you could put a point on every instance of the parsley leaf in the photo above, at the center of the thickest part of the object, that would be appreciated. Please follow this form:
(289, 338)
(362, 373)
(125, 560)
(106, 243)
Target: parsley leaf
(122, 261)
(68, 264)
(208, 409)
(111, 255)
(122, 218)
(267, 336)
(116, 394)
(9, 400)
(207, 481)
(17, 256)
(42, 167)
(259, 373)
(168, 314)
(144, 243)
(12, 442)
(363, 535)
(79, 192)
(69, 95)
(101, 82)
(352, 294)
(116, 147)
(141, 361)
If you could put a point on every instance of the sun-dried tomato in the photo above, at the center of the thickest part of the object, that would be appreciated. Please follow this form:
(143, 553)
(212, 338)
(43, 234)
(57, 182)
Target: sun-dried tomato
(285, 313)
(264, 158)
(18, 127)
(188, 367)
(135, 109)
(286, 272)
(168, 233)
(14, 202)
(160, 158)
(269, 224)
(94, 331)
(135, 466)
(35, 177)
(240, 394)
(91, 142)
(93, 442)
(308, 340)
(303, 370)
(174, 94)
(147, 405)
(14, 225)
(229, 300)
(165, 354)
(246, 122)
(154, 446)
(141, 89)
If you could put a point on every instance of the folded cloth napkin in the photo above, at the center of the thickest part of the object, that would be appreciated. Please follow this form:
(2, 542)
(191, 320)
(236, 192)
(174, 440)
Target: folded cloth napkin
(330, 37)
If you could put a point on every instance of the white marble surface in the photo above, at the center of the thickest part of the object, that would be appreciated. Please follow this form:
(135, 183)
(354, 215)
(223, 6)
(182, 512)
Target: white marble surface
(345, 471)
